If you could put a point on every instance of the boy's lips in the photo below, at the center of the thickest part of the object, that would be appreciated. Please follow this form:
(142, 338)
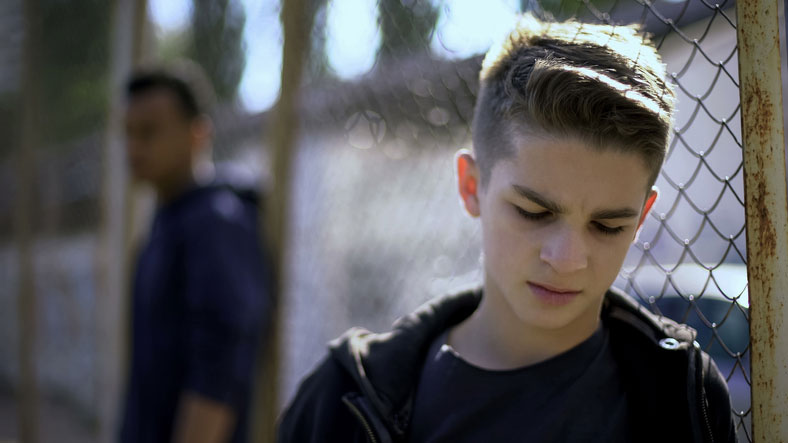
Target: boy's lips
(552, 295)
(556, 289)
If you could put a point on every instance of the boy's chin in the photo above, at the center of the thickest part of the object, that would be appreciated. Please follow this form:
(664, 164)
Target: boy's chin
(535, 313)
(141, 174)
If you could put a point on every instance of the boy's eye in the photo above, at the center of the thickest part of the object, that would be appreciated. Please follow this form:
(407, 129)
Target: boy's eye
(607, 229)
(535, 216)
(540, 216)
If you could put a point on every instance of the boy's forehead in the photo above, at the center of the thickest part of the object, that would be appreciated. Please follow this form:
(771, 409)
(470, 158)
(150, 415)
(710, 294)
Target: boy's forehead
(154, 101)
(570, 169)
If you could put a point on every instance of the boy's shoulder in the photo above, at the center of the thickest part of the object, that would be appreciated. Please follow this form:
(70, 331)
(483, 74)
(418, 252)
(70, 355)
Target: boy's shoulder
(213, 213)
(664, 371)
(375, 374)
(218, 203)
(622, 311)
(392, 357)
(371, 375)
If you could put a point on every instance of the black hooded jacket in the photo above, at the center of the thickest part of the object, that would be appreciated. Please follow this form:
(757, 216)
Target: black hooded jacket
(364, 390)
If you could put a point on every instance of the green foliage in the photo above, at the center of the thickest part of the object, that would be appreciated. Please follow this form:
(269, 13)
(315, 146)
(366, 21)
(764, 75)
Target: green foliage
(564, 9)
(174, 44)
(10, 105)
(406, 26)
(217, 43)
(74, 61)
(317, 64)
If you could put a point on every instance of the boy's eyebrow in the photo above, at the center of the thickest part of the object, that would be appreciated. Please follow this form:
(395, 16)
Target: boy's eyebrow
(614, 213)
(539, 199)
(603, 214)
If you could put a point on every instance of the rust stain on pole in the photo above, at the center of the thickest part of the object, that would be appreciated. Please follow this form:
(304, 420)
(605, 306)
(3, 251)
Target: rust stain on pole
(767, 214)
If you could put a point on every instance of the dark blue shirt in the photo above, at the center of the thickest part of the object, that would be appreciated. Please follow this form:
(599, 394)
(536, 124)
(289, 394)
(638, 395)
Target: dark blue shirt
(199, 305)
(576, 396)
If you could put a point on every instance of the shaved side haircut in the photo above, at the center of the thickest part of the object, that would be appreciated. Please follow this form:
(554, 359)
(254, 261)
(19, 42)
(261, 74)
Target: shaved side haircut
(600, 84)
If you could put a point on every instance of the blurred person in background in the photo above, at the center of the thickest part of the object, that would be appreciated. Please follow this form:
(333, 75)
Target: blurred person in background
(570, 130)
(201, 287)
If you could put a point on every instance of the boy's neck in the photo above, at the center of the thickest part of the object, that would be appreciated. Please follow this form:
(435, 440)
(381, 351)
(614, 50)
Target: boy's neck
(495, 338)
(174, 185)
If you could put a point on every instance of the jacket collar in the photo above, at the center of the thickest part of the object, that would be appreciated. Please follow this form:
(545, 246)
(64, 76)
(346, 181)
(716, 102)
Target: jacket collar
(619, 306)
(386, 366)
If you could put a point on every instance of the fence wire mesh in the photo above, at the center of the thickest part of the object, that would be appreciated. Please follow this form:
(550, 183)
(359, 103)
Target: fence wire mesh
(63, 165)
(376, 224)
(378, 227)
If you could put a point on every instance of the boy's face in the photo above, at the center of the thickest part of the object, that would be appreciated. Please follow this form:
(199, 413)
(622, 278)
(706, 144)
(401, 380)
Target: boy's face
(161, 140)
(557, 220)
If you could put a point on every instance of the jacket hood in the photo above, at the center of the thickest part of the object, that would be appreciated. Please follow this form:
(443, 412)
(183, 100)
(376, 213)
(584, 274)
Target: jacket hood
(386, 366)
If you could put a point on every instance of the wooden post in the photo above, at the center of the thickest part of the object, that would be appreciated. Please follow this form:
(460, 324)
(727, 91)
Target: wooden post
(283, 141)
(114, 254)
(27, 392)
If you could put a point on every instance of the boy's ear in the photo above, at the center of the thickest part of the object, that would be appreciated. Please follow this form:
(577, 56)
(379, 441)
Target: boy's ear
(468, 182)
(201, 131)
(652, 197)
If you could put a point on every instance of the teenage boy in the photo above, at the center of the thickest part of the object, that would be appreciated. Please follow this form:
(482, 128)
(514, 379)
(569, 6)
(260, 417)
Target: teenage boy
(200, 291)
(570, 130)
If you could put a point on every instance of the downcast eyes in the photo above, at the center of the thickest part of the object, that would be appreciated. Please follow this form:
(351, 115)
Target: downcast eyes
(545, 215)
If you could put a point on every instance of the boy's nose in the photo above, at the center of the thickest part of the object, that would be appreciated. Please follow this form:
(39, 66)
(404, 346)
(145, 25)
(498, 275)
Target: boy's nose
(565, 251)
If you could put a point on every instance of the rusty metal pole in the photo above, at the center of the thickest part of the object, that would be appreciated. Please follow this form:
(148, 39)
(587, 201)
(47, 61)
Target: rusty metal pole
(767, 214)
(283, 141)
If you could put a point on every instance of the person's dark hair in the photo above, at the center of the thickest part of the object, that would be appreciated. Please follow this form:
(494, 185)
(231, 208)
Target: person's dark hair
(184, 79)
(602, 84)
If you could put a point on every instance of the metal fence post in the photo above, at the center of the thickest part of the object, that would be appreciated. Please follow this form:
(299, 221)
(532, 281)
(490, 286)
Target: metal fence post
(767, 214)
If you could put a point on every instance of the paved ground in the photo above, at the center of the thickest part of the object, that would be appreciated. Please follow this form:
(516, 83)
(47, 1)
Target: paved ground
(58, 424)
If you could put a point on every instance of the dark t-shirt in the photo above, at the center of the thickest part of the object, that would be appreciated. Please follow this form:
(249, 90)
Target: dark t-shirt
(199, 305)
(573, 397)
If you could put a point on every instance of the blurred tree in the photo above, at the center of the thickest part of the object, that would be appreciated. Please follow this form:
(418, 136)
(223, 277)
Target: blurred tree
(173, 44)
(564, 9)
(217, 43)
(74, 54)
(12, 26)
(27, 388)
(406, 26)
(9, 127)
(317, 69)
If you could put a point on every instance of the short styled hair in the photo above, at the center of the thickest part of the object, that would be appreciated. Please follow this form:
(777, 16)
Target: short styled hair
(601, 84)
(183, 78)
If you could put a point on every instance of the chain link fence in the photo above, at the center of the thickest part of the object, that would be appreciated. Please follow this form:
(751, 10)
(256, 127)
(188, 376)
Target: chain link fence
(376, 227)
(49, 167)
(689, 262)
